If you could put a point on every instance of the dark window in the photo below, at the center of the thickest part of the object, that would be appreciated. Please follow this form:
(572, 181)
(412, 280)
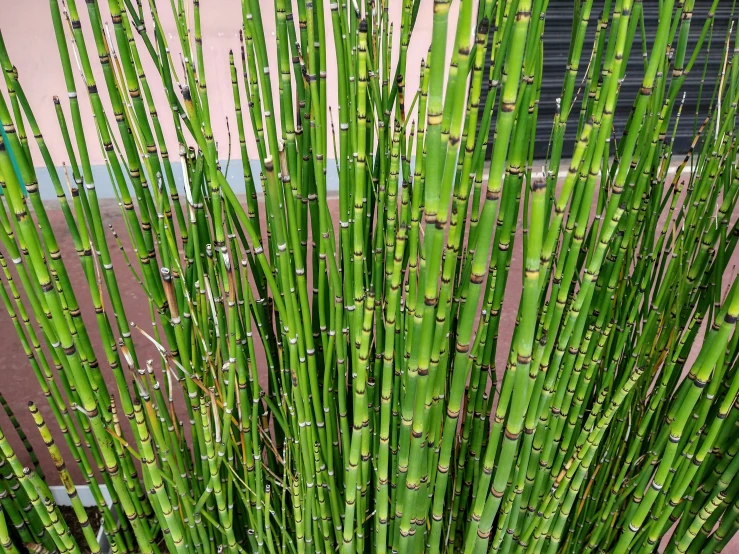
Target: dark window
(557, 36)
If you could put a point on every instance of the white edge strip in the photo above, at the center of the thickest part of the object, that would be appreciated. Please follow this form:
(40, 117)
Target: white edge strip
(83, 491)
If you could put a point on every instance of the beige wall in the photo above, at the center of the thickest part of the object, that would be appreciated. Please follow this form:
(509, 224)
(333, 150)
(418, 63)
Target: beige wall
(28, 32)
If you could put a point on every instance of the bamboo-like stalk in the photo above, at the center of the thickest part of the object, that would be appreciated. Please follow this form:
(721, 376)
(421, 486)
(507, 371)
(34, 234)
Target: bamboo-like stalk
(320, 388)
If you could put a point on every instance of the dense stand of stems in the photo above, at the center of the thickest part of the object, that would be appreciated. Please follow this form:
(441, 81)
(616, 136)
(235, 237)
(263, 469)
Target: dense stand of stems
(328, 384)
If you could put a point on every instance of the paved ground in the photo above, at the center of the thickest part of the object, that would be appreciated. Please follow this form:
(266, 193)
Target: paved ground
(19, 385)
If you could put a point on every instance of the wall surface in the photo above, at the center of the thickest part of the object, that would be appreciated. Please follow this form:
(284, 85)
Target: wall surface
(29, 36)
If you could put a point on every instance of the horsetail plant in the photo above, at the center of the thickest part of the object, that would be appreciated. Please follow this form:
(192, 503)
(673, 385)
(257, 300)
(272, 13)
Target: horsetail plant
(368, 381)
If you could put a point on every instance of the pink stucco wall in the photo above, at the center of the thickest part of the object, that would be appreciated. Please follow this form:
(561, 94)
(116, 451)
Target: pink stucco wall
(29, 36)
